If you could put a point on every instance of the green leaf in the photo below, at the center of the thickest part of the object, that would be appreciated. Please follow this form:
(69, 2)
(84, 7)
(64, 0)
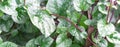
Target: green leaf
(1, 13)
(18, 14)
(8, 44)
(114, 38)
(31, 43)
(62, 26)
(1, 41)
(6, 25)
(91, 1)
(74, 45)
(111, 45)
(90, 22)
(56, 6)
(0, 31)
(14, 32)
(21, 16)
(9, 8)
(103, 43)
(28, 27)
(62, 41)
(44, 42)
(44, 22)
(118, 2)
(41, 19)
(102, 9)
(81, 5)
(79, 36)
(105, 29)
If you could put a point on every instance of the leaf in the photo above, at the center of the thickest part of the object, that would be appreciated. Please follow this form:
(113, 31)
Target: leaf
(74, 45)
(14, 32)
(114, 38)
(1, 13)
(90, 22)
(105, 29)
(28, 27)
(79, 36)
(43, 22)
(18, 14)
(102, 9)
(111, 45)
(31, 43)
(0, 31)
(103, 43)
(56, 6)
(44, 42)
(9, 7)
(6, 25)
(21, 16)
(8, 44)
(1, 41)
(62, 41)
(62, 26)
(81, 5)
(118, 2)
(41, 19)
(91, 1)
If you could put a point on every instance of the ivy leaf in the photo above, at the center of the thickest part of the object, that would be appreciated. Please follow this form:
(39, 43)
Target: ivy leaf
(31, 43)
(56, 6)
(8, 44)
(105, 29)
(62, 41)
(81, 5)
(44, 42)
(114, 38)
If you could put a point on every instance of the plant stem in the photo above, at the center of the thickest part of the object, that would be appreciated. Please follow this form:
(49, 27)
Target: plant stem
(68, 21)
(111, 16)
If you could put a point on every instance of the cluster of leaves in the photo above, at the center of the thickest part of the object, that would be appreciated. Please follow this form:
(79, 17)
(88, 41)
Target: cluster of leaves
(59, 23)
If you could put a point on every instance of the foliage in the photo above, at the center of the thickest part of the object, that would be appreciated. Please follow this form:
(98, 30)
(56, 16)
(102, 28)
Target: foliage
(59, 23)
